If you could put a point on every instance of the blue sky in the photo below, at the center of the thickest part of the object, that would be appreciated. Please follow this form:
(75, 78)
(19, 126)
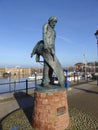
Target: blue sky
(21, 23)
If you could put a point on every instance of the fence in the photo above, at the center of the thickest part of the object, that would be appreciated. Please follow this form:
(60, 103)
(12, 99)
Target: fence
(29, 84)
(17, 86)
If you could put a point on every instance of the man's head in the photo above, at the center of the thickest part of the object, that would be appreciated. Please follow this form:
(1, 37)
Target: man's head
(52, 18)
(52, 21)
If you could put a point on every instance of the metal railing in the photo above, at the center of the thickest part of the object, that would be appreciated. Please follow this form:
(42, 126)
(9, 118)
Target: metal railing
(26, 85)
(15, 88)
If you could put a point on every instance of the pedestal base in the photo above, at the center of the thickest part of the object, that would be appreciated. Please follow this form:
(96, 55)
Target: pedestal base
(50, 110)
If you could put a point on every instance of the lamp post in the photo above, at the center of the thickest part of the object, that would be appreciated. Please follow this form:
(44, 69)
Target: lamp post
(96, 35)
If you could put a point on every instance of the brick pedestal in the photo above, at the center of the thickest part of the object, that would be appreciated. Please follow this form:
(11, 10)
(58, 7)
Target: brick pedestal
(50, 110)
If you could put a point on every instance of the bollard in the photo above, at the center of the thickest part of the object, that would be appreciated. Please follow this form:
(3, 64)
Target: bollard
(77, 78)
(14, 86)
(67, 83)
(9, 78)
(74, 76)
(26, 87)
(35, 79)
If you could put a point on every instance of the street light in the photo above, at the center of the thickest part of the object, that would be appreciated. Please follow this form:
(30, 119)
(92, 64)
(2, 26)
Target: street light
(96, 35)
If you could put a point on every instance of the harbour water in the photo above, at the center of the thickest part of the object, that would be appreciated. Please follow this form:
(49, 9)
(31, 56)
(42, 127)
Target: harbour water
(9, 84)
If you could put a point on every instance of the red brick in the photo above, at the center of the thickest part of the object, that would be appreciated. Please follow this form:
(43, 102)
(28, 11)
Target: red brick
(45, 116)
(45, 102)
(42, 95)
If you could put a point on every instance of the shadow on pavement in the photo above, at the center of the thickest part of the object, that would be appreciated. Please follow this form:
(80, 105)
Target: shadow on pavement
(88, 91)
(26, 103)
(0, 126)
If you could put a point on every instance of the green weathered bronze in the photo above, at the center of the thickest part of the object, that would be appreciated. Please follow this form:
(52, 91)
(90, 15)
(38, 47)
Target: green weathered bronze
(46, 48)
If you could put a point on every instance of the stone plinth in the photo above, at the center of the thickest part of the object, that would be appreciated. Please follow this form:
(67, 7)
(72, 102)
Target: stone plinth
(50, 109)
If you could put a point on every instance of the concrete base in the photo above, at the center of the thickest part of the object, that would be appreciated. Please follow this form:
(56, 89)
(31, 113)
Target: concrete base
(50, 109)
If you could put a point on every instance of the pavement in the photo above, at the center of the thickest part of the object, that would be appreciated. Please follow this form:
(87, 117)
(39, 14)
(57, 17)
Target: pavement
(83, 97)
(10, 102)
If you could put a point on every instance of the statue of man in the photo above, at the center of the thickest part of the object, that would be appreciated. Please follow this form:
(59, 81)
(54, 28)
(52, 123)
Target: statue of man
(46, 48)
(49, 36)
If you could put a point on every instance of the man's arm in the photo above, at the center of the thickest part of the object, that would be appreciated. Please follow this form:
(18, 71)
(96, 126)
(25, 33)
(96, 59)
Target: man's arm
(46, 36)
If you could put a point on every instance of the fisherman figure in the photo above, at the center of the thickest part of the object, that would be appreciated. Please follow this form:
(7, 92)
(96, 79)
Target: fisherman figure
(46, 48)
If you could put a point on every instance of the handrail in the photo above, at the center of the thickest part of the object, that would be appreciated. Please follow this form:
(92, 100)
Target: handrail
(15, 82)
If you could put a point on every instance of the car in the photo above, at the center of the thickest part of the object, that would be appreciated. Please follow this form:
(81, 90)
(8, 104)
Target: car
(94, 76)
(54, 80)
(89, 75)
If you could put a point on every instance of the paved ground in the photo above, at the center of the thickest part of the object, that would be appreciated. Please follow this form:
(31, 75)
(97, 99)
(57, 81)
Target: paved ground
(11, 102)
(85, 98)
(83, 106)
(82, 98)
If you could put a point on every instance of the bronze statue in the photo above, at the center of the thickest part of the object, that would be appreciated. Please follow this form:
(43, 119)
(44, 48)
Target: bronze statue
(46, 48)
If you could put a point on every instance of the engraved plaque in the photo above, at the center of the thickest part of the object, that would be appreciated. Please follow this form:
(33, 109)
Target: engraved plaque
(61, 110)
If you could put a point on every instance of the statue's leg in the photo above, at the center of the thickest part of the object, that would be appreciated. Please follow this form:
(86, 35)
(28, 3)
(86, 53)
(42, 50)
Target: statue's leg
(56, 66)
(46, 79)
(50, 74)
